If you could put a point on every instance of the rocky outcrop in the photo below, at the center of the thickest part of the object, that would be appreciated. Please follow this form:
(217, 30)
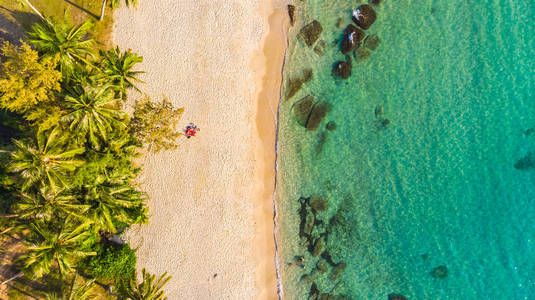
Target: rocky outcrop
(319, 203)
(319, 111)
(296, 83)
(396, 297)
(342, 69)
(302, 108)
(291, 13)
(311, 32)
(372, 42)
(362, 54)
(352, 38)
(364, 16)
(439, 272)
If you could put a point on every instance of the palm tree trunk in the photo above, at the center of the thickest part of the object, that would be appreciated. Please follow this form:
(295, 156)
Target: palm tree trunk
(102, 10)
(20, 274)
(34, 9)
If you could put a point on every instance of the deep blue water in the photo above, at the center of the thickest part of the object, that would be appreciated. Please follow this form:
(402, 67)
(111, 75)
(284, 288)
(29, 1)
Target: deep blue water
(437, 185)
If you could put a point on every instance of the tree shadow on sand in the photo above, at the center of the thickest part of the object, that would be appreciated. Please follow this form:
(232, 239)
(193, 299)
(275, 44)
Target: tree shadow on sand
(14, 24)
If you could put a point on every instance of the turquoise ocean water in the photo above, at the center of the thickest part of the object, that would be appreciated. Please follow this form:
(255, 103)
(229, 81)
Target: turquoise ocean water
(438, 185)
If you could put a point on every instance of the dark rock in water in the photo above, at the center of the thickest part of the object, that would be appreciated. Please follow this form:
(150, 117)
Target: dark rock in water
(362, 54)
(306, 217)
(322, 266)
(311, 32)
(529, 131)
(375, 2)
(319, 111)
(425, 256)
(328, 258)
(385, 123)
(326, 297)
(342, 69)
(372, 42)
(331, 126)
(364, 16)
(396, 297)
(526, 162)
(295, 84)
(302, 108)
(309, 224)
(299, 260)
(337, 271)
(321, 142)
(291, 13)
(379, 111)
(307, 75)
(352, 38)
(339, 22)
(318, 247)
(318, 203)
(319, 49)
(314, 292)
(306, 279)
(439, 272)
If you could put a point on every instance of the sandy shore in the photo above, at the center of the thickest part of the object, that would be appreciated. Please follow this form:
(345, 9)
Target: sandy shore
(211, 212)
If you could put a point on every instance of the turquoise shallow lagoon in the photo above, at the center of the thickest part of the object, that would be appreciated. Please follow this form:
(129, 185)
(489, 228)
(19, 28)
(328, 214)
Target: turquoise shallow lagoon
(450, 181)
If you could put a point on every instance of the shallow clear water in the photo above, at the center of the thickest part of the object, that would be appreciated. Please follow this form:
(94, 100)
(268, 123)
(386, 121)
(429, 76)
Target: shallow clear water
(438, 185)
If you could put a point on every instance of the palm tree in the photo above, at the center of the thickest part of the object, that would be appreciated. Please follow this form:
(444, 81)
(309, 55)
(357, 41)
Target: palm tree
(76, 289)
(46, 205)
(70, 43)
(55, 247)
(149, 288)
(47, 160)
(115, 4)
(93, 111)
(111, 202)
(118, 67)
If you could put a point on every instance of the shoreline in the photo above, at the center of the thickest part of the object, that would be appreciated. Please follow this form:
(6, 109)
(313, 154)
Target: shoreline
(270, 60)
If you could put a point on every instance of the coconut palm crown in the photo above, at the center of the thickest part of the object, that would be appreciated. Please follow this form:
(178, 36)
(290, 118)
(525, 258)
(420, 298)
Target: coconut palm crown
(48, 160)
(93, 112)
(70, 43)
(149, 288)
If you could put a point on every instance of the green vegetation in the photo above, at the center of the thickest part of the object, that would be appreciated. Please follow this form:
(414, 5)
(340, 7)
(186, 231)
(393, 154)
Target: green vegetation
(66, 163)
(149, 288)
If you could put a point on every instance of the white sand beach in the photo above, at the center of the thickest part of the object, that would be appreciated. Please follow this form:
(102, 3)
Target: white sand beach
(211, 200)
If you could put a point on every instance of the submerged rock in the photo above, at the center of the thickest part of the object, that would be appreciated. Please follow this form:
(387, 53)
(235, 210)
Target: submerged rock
(337, 271)
(302, 108)
(372, 42)
(318, 247)
(440, 272)
(319, 111)
(331, 126)
(311, 32)
(295, 84)
(321, 142)
(322, 266)
(362, 54)
(342, 69)
(319, 49)
(396, 297)
(339, 22)
(526, 162)
(314, 292)
(319, 203)
(306, 279)
(299, 260)
(364, 16)
(379, 111)
(291, 13)
(352, 38)
(375, 2)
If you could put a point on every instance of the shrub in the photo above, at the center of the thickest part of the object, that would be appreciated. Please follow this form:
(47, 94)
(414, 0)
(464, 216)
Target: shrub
(112, 262)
